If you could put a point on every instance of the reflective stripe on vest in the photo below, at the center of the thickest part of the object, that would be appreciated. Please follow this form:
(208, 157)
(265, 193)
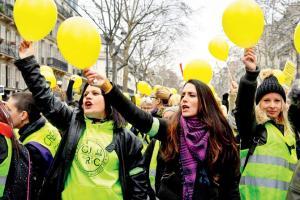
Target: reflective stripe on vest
(153, 164)
(270, 160)
(270, 168)
(48, 136)
(262, 182)
(4, 166)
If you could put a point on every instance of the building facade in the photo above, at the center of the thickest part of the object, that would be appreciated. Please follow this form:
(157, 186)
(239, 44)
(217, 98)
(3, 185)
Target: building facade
(46, 50)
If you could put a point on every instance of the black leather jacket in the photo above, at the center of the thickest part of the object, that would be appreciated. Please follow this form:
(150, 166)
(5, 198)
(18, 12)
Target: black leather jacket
(227, 187)
(71, 124)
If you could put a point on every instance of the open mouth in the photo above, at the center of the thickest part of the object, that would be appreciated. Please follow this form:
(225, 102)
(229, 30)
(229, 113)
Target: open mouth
(185, 107)
(88, 104)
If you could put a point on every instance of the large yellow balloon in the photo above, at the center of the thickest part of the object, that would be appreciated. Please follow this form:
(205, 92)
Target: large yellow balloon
(79, 42)
(219, 48)
(50, 78)
(35, 18)
(198, 69)
(243, 23)
(280, 76)
(144, 88)
(297, 38)
(77, 81)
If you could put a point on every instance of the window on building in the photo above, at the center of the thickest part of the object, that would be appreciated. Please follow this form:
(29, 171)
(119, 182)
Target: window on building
(3, 74)
(11, 76)
(3, 31)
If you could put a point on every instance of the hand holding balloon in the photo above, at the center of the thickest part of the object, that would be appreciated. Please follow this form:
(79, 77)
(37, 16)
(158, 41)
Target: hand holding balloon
(94, 78)
(26, 49)
(249, 59)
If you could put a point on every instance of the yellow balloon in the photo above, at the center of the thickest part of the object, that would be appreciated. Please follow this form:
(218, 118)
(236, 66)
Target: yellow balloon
(77, 90)
(198, 69)
(144, 88)
(219, 48)
(79, 42)
(173, 90)
(35, 18)
(280, 76)
(297, 38)
(50, 78)
(45, 68)
(77, 81)
(243, 23)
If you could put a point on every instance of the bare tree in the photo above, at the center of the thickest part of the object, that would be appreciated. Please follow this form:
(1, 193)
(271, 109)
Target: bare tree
(281, 20)
(147, 21)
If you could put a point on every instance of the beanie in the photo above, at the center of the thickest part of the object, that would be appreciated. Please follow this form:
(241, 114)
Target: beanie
(269, 85)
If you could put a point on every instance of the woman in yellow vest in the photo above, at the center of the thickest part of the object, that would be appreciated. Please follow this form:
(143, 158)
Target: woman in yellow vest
(97, 157)
(268, 146)
(14, 162)
(198, 146)
(36, 134)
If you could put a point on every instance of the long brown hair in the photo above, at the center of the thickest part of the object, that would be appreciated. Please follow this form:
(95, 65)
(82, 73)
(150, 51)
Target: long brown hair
(221, 139)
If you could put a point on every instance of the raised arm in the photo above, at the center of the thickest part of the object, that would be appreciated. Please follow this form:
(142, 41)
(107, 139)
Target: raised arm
(140, 119)
(245, 112)
(54, 110)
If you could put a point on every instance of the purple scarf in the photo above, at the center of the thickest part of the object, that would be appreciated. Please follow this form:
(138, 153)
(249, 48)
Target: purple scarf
(193, 146)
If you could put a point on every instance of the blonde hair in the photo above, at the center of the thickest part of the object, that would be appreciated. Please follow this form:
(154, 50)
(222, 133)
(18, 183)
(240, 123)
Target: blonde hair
(174, 100)
(262, 117)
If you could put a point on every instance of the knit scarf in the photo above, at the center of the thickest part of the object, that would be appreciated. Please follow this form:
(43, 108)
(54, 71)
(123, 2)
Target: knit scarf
(193, 145)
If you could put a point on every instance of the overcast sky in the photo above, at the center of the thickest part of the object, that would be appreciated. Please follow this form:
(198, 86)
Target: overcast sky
(203, 26)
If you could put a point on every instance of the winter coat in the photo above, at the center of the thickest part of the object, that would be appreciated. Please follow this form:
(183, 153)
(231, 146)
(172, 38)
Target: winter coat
(226, 187)
(71, 123)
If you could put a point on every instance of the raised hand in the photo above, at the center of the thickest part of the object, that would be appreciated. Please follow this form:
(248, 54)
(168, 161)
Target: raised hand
(26, 49)
(249, 59)
(94, 78)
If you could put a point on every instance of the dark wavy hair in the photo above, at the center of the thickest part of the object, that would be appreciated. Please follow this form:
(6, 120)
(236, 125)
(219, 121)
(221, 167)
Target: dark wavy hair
(221, 145)
(111, 113)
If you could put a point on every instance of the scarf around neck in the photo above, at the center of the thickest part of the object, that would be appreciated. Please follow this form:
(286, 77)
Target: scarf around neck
(193, 145)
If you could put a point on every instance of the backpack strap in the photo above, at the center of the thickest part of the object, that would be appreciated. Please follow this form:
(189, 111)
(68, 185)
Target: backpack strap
(251, 151)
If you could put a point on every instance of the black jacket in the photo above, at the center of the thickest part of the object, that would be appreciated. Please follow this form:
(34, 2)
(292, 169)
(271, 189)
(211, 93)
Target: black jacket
(18, 183)
(40, 157)
(71, 124)
(245, 113)
(227, 187)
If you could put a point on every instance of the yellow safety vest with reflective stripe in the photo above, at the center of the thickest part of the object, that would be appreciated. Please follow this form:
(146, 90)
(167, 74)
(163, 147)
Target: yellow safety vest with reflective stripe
(4, 166)
(48, 136)
(153, 164)
(269, 170)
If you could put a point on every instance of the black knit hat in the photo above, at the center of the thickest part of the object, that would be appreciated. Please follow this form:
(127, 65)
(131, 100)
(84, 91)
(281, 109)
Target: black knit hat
(269, 85)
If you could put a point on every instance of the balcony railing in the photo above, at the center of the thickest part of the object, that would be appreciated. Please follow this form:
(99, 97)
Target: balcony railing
(53, 62)
(6, 9)
(7, 50)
